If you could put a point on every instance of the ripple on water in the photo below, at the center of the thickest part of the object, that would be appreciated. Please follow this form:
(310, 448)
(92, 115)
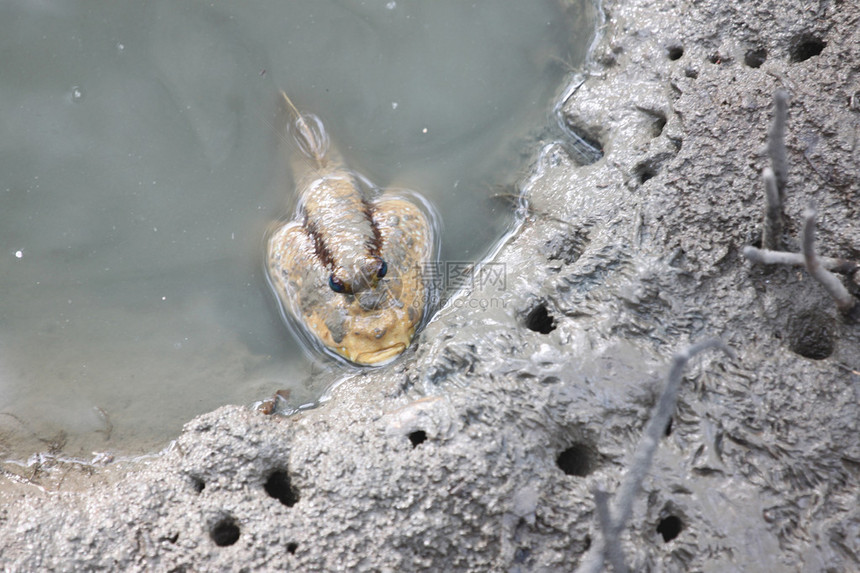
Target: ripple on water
(113, 334)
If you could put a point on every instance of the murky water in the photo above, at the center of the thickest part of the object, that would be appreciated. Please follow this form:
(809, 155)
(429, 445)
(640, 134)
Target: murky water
(139, 170)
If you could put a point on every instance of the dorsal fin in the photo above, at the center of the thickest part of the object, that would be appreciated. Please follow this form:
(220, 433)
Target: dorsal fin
(309, 134)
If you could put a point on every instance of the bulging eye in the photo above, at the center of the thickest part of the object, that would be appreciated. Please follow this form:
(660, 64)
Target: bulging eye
(383, 270)
(336, 284)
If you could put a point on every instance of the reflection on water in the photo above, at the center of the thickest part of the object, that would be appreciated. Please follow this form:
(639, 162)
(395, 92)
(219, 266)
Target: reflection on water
(140, 169)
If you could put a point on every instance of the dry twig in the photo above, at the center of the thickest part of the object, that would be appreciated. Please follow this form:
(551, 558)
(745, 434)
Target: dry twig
(771, 237)
(771, 234)
(766, 257)
(613, 519)
(776, 141)
(846, 303)
(776, 175)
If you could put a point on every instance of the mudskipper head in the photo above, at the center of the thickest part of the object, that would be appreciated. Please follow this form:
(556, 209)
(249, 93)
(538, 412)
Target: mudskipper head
(364, 276)
(343, 267)
(375, 322)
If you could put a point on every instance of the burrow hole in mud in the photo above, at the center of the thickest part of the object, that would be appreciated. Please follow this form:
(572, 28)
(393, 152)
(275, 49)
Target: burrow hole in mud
(577, 460)
(584, 147)
(668, 431)
(417, 437)
(755, 58)
(278, 486)
(291, 548)
(805, 46)
(670, 527)
(540, 320)
(225, 532)
(674, 52)
(521, 554)
(657, 119)
(658, 125)
(812, 335)
(643, 172)
(198, 484)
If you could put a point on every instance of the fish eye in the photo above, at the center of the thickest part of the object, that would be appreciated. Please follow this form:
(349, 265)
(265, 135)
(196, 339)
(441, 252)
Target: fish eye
(383, 270)
(336, 284)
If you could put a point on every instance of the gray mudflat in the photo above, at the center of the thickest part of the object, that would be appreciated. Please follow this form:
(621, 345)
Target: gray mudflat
(480, 451)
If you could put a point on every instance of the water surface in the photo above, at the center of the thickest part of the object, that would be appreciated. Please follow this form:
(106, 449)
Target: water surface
(140, 168)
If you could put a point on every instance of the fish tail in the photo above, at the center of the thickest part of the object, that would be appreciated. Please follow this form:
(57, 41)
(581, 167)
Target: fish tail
(309, 134)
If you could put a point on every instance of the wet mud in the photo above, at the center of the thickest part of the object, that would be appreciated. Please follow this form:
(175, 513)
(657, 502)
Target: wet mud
(481, 448)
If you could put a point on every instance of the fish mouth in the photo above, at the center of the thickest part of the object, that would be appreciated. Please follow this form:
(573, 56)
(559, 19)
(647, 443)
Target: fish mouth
(380, 356)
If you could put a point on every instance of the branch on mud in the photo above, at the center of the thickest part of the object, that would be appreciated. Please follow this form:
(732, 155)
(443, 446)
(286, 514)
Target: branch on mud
(613, 552)
(613, 519)
(846, 303)
(776, 175)
(766, 257)
(771, 234)
(821, 268)
(776, 141)
(775, 178)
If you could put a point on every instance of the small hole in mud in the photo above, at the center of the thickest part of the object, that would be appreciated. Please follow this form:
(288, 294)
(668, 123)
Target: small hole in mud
(644, 172)
(417, 437)
(278, 486)
(291, 548)
(804, 47)
(669, 527)
(587, 543)
(576, 460)
(755, 58)
(658, 125)
(668, 431)
(657, 119)
(674, 52)
(812, 335)
(584, 147)
(521, 554)
(540, 320)
(198, 484)
(225, 532)
(691, 73)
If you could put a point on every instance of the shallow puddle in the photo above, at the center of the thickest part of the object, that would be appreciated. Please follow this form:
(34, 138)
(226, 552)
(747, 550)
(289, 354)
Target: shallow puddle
(140, 169)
